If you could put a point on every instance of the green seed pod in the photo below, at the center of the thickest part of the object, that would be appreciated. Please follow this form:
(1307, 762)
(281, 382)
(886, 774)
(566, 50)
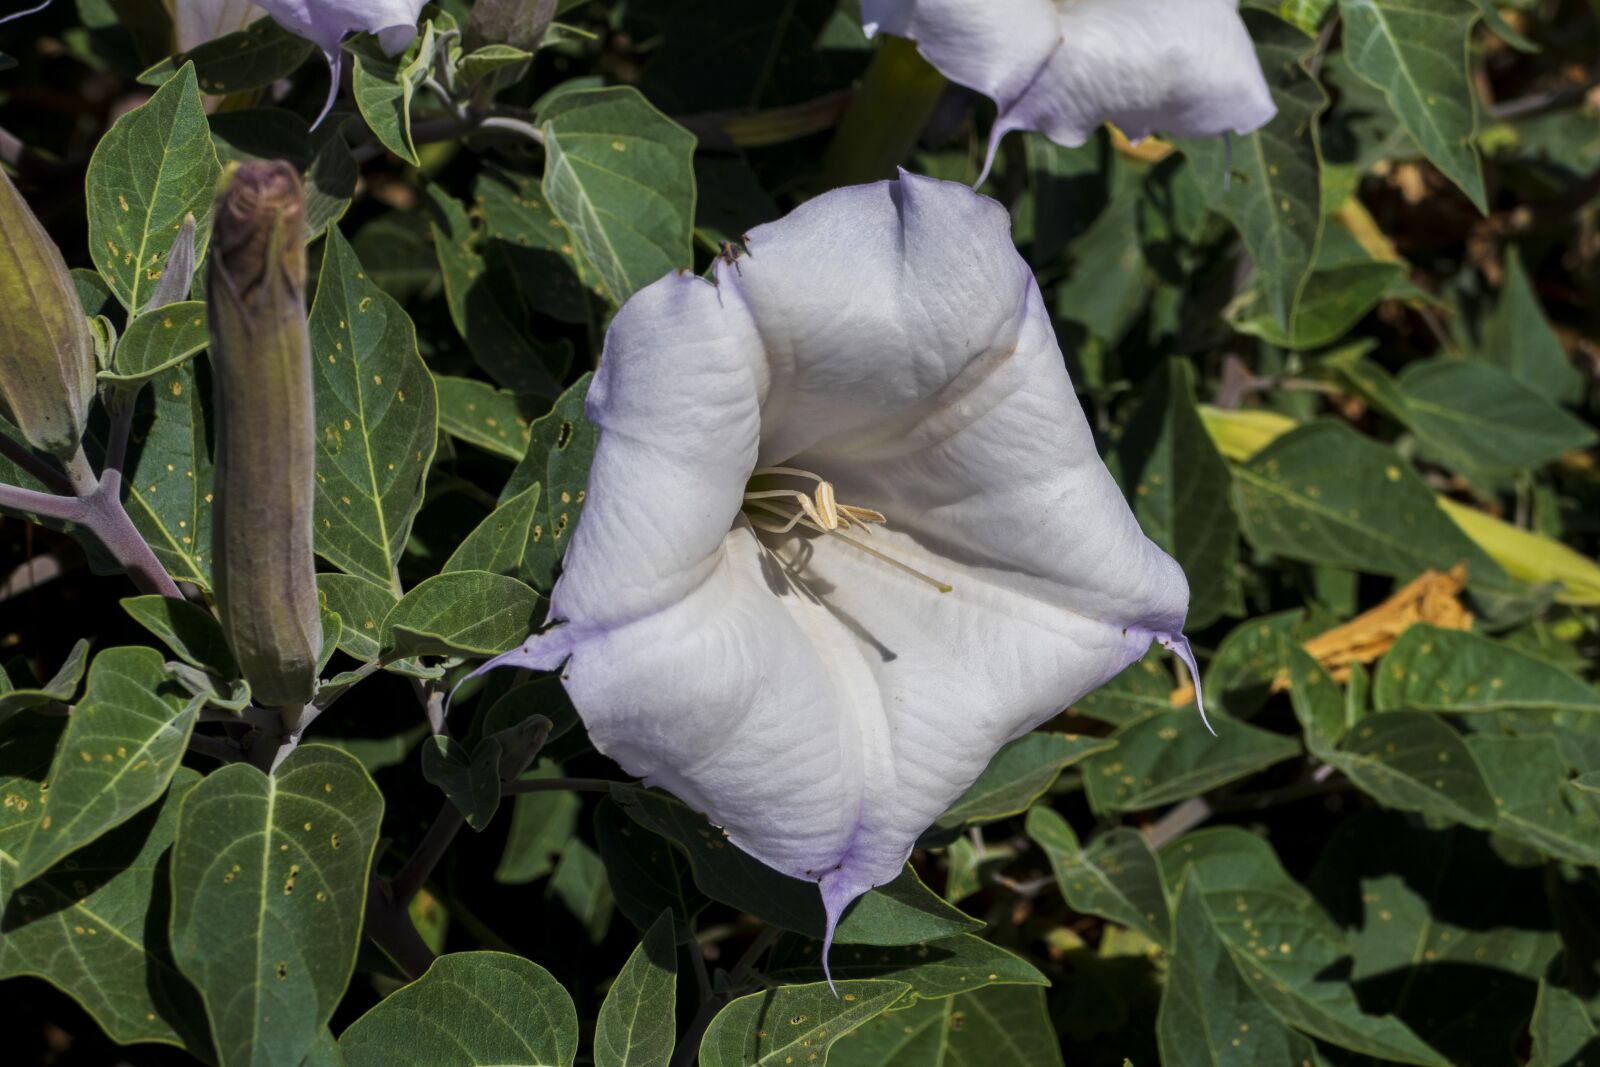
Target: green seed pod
(46, 350)
(265, 574)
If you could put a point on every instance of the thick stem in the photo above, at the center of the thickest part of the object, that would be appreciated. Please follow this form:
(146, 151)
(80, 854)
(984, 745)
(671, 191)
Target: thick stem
(45, 505)
(885, 118)
(110, 524)
(414, 875)
(390, 927)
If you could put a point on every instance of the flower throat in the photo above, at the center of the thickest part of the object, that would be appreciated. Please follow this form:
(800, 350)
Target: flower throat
(779, 511)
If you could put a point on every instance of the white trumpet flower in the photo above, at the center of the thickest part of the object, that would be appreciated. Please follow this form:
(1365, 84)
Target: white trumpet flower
(846, 533)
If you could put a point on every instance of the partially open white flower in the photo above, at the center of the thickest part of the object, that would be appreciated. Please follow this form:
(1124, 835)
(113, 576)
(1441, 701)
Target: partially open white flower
(846, 533)
(1063, 67)
(324, 23)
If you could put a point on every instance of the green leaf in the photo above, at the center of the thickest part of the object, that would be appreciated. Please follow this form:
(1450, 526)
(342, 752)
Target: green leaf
(580, 883)
(192, 632)
(796, 1022)
(154, 166)
(60, 689)
(646, 873)
(1529, 778)
(619, 174)
(904, 912)
(1324, 494)
(1272, 193)
(27, 748)
(1020, 773)
(500, 542)
(638, 1021)
(169, 479)
(362, 606)
(377, 416)
(487, 308)
(469, 613)
(1431, 669)
(95, 928)
(1333, 300)
(1414, 761)
(1562, 1033)
(937, 969)
(384, 87)
(1518, 338)
(1180, 489)
(470, 779)
(479, 414)
(1280, 942)
(979, 1029)
(248, 59)
(1478, 417)
(1117, 877)
(472, 1009)
(541, 825)
(269, 885)
(1415, 51)
(1140, 691)
(1170, 756)
(1210, 1014)
(122, 745)
(330, 183)
(158, 340)
(560, 449)
(519, 226)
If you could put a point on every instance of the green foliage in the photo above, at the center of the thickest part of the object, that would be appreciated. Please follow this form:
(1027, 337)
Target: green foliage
(1321, 359)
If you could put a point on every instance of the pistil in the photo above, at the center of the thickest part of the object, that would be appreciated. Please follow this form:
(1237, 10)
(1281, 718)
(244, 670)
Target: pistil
(821, 512)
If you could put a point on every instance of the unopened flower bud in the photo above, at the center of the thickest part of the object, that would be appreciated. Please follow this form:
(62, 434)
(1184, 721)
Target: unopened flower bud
(46, 350)
(265, 573)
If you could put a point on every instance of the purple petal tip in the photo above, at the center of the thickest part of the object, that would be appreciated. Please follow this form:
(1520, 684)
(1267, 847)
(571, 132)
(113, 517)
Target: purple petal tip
(1178, 645)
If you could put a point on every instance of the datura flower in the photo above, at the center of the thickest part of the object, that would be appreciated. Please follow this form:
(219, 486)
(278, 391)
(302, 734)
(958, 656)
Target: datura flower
(1063, 67)
(322, 22)
(846, 533)
(199, 21)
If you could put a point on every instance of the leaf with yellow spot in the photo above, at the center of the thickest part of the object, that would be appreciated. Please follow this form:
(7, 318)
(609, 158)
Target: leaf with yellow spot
(795, 1024)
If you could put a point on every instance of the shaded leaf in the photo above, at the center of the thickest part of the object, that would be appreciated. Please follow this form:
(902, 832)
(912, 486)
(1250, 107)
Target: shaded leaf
(1528, 778)
(638, 1020)
(1117, 877)
(762, 1029)
(560, 448)
(252, 58)
(60, 689)
(1518, 338)
(169, 479)
(1019, 774)
(937, 969)
(541, 825)
(1563, 1034)
(1169, 757)
(192, 632)
(580, 882)
(384, 87)
(989, 1026)
(646, 873)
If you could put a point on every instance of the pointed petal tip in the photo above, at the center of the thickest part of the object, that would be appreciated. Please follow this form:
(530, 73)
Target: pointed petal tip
(1179, 646)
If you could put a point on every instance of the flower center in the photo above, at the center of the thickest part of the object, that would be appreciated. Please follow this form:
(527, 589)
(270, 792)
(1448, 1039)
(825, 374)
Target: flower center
(778, 510)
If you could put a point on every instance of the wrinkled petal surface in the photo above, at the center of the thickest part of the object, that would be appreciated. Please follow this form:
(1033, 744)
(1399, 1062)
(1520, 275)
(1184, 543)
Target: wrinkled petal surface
(326, 22)
(1183, 67)
(821, 706)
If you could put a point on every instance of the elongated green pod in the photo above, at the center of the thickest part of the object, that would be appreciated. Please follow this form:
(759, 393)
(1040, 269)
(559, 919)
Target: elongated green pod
(265, 573)
(46, 350)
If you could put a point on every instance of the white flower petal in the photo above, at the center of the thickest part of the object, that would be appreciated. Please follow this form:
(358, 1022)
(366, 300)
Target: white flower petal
(1183, 67)
(889, 338)
(325, 23)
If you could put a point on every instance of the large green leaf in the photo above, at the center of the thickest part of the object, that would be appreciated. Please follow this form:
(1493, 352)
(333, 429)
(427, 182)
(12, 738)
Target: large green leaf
(1431, 669)
(158, 340)
(903, 912)
(1272, 193)
(27, 748)
(560, 449)
(472, 1009)
(122, 745)
(376, 416)
(1324, 494)
(541, 825)
(1117, 877)
(1518, 338)
(646, 873)
(1138, 692)
(471, 613)
(937, 969)
(1281, 942)
(638, 1021)
(1210, 1015)
(269, 885)
(192, 632)
(792, 1023)
(1180, 489)
(479, 414)
(520, 230)
(1170, 756)
(252, 58)
(619, 175)
(384, 87)
(1478, 417)
(95, 928)
(1529, 780)
(985, 1028)
(152, 168)
(1415, 51)
(499, 544)
(1019, 774)
(169, 479)
(1561, 1031)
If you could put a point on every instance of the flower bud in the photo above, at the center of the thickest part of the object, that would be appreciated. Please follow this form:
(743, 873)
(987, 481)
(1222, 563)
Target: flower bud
(263, 566)
(46, 350)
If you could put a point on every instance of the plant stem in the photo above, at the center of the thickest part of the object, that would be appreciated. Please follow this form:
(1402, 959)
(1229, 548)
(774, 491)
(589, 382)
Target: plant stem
(45, 505)
(554, 785)
(414, 875)
(388, 924)
(897, 97)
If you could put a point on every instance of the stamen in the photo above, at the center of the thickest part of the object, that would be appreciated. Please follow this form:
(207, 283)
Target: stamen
(809, 518)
